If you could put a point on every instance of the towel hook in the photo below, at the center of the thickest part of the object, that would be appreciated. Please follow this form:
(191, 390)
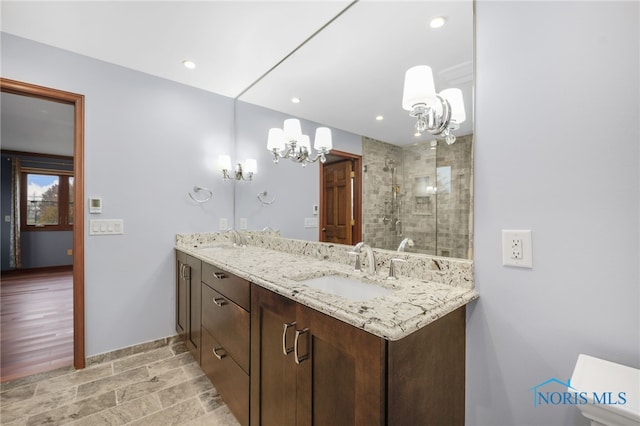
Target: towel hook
(198, 189)
(264, 202)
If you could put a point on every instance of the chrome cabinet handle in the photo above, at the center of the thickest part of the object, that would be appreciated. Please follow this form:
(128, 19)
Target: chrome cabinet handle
(297, 356)
(216, 354)
(286, 350)
(219, 275)
(220, 301)
(186, 271)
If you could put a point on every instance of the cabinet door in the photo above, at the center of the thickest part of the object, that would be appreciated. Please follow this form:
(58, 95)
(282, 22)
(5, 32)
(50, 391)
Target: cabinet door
(194, 296)
(340, 372)
(181, 294)
(273, 373)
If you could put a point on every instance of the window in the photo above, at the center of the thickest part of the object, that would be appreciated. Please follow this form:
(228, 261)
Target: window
(46, 200)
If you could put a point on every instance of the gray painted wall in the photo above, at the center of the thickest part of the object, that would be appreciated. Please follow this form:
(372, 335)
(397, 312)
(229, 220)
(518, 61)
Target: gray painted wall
(557, 152)
(148, 142)
(41, 249)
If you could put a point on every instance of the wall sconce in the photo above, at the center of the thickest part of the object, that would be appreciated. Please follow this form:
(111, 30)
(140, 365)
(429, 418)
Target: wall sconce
(241, 172)
(289, 142)
(438, 113)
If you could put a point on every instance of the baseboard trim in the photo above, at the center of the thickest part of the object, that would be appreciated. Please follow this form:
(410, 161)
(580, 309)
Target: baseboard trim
(40, 270)
(132, 350)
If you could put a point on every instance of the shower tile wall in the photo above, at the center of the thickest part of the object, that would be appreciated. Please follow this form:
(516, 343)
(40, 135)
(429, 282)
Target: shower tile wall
(377, 193)
(418, 165)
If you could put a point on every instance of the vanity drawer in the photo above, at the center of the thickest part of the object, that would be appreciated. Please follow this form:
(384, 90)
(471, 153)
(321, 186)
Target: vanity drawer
(231, 286)
(227, 377)
(228, 323)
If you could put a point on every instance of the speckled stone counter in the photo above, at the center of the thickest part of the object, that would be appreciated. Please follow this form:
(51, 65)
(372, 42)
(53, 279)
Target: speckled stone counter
(427, 287)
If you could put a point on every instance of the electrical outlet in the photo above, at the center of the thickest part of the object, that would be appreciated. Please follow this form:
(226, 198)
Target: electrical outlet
(243, 223)
(224, 225)
(516, 248)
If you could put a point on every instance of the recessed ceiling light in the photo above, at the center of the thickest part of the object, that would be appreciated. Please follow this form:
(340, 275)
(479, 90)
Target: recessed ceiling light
(438, 22)
(379, 118)
(189, 64)
(295, 100)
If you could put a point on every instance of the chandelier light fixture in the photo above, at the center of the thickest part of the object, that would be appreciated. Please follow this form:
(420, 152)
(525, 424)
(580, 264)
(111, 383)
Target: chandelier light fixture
(437, 113)
(241, 172)
(289, 142)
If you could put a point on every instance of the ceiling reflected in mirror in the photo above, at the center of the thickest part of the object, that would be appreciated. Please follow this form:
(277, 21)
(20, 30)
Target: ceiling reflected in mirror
(350, 76)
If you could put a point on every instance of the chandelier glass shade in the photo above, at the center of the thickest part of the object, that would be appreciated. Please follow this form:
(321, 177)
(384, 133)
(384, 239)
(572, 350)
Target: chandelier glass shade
(289, 142)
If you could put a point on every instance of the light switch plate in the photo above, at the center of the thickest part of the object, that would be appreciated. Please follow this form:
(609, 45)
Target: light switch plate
(106, 227)
(310, 222)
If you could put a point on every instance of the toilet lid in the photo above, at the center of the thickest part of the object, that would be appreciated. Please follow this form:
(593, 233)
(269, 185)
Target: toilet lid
(597, 375)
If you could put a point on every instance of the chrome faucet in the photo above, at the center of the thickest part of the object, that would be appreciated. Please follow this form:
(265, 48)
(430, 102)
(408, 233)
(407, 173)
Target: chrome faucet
(404, 243)
(393, 269)
(238, 239)
(371, 267)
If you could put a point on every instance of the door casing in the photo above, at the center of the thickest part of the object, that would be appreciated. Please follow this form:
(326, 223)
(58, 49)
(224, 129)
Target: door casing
(77, 100)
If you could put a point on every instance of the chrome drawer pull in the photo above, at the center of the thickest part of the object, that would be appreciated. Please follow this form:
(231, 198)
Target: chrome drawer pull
(286, 350)
(220, 301)
(297, 357)
(219, 275)
(216, 354)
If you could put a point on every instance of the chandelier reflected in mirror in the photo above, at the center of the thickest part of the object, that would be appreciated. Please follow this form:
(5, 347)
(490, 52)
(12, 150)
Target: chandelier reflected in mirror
(437, 113)
(289, 142)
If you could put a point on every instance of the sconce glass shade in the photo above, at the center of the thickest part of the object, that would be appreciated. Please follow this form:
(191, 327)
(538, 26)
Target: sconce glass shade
(276, 140)
(224, 162)
(419, 87)
(292, 129)
(454, 96)
(303, 141)
(323, 139)
(250, 166)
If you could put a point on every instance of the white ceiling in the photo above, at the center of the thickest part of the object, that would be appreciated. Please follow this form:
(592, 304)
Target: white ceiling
(347, 74)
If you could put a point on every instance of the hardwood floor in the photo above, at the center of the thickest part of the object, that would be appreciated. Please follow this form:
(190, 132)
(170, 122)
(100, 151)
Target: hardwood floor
(36, 310)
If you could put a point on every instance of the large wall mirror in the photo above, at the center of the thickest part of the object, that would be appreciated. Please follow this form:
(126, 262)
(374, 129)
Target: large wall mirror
(350, 77)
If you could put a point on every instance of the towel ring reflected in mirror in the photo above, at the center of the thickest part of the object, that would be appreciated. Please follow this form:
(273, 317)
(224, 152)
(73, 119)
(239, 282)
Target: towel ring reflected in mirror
(263, 201)
(199, 189)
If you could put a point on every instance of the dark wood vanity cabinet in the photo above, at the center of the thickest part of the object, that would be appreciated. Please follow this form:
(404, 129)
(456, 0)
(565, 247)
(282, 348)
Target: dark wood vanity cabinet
(276, 362)
(188, 275)
(226, 337)
(309, 368)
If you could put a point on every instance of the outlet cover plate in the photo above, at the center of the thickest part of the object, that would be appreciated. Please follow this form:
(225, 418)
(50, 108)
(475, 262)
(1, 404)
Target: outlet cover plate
(516, 248)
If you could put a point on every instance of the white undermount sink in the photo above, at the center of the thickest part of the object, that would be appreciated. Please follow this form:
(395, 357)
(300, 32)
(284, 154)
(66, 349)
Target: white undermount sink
(216, 248)
(350, 288)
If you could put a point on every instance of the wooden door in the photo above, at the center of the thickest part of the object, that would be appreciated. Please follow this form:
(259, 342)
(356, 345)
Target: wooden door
(337, 203)
(342, 379)
(273, 374)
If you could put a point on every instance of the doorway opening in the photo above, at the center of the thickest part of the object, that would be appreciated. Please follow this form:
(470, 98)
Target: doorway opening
(76, 211)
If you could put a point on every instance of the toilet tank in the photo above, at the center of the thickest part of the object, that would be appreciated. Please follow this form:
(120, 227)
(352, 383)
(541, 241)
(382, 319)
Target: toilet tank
(608, 386)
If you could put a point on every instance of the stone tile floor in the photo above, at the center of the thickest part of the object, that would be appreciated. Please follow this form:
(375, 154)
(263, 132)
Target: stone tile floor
(156, 386)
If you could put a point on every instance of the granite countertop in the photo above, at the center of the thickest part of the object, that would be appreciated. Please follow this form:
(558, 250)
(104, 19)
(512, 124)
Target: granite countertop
(410, 305)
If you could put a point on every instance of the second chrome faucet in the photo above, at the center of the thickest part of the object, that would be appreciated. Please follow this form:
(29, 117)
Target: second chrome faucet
(371, 265)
